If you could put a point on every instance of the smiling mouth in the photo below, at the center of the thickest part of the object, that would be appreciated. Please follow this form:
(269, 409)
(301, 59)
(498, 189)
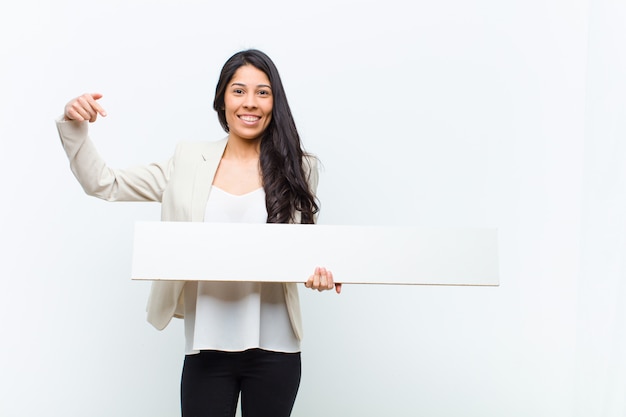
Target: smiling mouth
(250, 118)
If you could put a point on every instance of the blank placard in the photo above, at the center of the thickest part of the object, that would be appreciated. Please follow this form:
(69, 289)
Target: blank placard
(290, 252)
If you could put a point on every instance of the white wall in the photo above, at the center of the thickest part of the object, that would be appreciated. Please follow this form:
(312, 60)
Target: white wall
(601, 341)
(479, 113)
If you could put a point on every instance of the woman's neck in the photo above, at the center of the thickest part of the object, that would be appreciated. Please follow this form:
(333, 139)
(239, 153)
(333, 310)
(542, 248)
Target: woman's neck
(242, 149)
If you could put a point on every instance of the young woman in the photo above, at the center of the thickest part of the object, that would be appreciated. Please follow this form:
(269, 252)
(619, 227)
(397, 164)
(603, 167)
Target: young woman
(241, 338)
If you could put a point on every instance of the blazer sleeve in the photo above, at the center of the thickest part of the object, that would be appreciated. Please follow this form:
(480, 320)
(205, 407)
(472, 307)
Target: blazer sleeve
(143, 183)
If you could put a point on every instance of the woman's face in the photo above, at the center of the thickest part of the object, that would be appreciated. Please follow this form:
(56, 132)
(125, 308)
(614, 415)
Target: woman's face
(248, 103)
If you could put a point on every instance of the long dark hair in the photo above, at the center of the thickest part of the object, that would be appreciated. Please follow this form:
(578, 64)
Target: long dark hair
(282, 156)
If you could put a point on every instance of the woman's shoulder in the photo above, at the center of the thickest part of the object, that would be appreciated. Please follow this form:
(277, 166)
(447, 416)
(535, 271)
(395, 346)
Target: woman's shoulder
(310, 168)
(310, 162)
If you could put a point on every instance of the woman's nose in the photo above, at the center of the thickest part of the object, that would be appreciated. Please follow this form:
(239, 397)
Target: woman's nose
(249, 101)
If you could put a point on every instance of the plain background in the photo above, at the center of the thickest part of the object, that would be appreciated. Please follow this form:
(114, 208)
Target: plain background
(476, 113)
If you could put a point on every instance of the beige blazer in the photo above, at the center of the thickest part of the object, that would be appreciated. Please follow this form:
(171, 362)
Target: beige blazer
(182, 185)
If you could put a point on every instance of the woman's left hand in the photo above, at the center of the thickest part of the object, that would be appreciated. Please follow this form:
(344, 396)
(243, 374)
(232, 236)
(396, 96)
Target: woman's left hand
(322, 280)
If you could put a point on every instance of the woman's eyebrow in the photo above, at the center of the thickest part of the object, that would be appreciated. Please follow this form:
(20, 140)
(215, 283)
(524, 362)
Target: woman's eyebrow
(245, 85)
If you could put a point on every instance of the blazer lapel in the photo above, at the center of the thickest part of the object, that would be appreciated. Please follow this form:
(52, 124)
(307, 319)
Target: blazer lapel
(211, 156)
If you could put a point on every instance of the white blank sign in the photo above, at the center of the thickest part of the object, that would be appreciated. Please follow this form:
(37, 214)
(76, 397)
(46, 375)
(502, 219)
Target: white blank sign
(290, 252)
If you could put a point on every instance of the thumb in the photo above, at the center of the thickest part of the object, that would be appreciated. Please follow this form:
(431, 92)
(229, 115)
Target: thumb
(96, 96)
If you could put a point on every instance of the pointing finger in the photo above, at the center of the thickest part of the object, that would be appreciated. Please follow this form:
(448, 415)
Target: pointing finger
(95, 105)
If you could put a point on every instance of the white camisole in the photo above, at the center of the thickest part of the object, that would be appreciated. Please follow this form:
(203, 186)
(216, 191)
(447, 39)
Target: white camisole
(235, 316)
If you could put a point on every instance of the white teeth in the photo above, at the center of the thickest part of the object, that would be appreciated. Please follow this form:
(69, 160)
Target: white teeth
(249, 118)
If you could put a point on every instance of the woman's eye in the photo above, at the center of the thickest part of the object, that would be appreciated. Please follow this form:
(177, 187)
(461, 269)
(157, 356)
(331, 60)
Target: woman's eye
(264, 93)
(238, 91)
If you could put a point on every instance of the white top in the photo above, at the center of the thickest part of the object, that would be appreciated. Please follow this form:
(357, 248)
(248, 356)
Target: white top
(235, 316)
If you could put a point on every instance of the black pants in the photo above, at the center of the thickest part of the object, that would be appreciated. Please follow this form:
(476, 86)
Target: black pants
(212, 380)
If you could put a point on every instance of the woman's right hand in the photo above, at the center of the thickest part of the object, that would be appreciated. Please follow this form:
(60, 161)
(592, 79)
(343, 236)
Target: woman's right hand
(84, 107)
